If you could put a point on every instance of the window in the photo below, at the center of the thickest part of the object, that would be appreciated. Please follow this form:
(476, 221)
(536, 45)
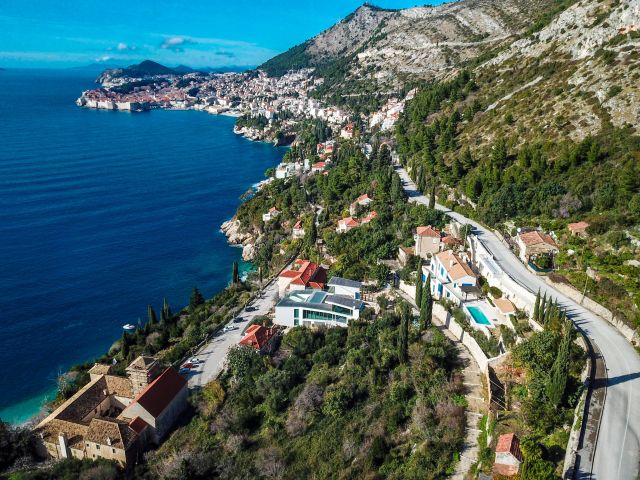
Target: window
(114, 450)
(296, 313)
(97, 447)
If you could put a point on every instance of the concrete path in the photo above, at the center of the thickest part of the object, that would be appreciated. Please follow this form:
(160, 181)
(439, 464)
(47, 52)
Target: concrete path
(616, 452)
(214, 354)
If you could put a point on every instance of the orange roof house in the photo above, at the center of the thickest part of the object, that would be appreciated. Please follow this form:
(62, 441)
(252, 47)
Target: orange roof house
(427, 241)
(536, 243)
(578, 228)
(346, 224)
(258, 337)
(303, 274)
(428, 231)
(508, 455)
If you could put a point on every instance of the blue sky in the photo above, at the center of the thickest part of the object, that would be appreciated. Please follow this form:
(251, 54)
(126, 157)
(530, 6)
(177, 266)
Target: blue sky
(198, 33)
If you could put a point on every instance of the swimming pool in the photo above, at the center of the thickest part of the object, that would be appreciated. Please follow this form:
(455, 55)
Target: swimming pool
(479, 317)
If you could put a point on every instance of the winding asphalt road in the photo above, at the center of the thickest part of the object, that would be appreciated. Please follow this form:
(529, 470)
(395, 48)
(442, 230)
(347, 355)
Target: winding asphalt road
(617, 445)
(214, 354)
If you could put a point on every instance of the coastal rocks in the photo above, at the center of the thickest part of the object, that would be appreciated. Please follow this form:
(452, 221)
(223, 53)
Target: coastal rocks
(235, 236)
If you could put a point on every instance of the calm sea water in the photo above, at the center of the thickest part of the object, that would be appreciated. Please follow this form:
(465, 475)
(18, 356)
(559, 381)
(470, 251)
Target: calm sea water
(102, 213)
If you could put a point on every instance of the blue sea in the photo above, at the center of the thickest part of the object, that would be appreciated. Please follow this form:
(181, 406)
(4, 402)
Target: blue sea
(102, 213)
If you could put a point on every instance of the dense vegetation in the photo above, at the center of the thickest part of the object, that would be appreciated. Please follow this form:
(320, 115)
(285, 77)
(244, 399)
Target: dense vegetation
(332, 404)
(532, 180)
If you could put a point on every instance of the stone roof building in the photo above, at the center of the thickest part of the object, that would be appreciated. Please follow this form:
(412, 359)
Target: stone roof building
(100, 420)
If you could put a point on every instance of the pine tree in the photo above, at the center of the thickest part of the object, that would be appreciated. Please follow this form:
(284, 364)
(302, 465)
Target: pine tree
(419, 285)
(536, 307)
(403, 340)
(196, 298)
(151, 316)
(426, 306)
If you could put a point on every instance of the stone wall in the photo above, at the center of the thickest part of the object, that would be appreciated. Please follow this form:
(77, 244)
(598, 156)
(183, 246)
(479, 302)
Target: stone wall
(628, 332)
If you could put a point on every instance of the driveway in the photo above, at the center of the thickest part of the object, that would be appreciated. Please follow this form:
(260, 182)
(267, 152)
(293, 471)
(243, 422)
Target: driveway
(214, 354)
(617, 448)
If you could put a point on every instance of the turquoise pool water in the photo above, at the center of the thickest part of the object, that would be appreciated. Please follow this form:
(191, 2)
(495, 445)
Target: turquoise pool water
(479, 317)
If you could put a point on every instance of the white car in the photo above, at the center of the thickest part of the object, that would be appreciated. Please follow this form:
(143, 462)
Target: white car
(229, 328)
(195, 360)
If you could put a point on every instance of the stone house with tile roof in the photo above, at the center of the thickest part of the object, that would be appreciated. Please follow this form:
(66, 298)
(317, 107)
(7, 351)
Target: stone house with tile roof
(95, 423)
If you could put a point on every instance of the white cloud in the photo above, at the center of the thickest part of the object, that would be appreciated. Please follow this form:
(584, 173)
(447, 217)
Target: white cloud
(176, 43)
(123, 47)
(104, 58)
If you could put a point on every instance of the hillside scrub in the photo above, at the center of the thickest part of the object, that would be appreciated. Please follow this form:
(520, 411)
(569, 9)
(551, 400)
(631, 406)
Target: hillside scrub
(332, 404)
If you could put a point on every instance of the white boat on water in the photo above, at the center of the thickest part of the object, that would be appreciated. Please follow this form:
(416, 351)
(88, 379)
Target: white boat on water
(128, 327)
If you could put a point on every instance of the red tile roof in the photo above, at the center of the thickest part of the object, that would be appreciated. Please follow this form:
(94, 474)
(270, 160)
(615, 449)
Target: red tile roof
(138, 425)
(160, 393)
(509, 443)
(370, 217)
(257, 336)
(306, 273)
(428, 232)
(349, 222)
(534, 237)
(578, 226)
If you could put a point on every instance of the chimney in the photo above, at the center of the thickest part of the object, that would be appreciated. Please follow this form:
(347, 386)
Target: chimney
(104, 392)
(64, 447)
(109, 441)
(451, 263)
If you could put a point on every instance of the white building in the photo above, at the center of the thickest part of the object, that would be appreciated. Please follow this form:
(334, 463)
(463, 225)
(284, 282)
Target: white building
(452, 277)
(314, 308)
(346, 287)
(298, 230)
(270, 215)
(285, 170)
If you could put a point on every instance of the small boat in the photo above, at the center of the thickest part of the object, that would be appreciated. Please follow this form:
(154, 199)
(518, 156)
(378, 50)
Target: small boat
(128, 327)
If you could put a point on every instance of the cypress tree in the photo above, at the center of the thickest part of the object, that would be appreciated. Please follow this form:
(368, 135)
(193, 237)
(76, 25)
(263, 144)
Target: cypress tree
(196, 298)
(151, 316)
(419, 285)
(536, 307)
(559, 371)
(166, 314)
(235, 275)
(543, 307)
(403, 340)
(432, 197)
(426, 307)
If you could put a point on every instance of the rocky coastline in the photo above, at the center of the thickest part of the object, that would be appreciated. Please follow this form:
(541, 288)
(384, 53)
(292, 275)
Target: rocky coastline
(235, 236)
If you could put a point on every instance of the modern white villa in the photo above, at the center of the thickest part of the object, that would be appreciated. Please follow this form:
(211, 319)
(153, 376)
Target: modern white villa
(344, 286)
(315, 308)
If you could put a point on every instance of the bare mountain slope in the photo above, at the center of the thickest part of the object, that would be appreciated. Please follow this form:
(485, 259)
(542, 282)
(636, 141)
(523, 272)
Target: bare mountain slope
(387, 46)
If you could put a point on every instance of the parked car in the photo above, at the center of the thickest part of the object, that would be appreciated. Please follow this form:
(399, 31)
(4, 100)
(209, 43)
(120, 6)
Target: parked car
(187, 365)
(195, 360)
(184, 371)
(250, 308)
(238, 320)
(229, 327)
